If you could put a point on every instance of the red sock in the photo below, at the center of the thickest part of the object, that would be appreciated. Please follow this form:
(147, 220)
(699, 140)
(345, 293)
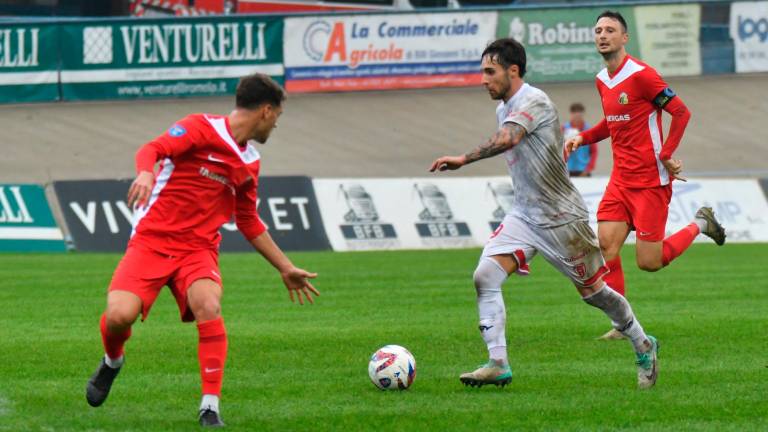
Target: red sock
(113, 342)
(615, 278)
(678, 242)
(212, 353)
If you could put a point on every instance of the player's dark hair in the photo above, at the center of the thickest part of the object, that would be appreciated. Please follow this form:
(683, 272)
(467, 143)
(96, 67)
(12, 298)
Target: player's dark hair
(613, 15)
(507, 52)
(577, 107)
(257, 89)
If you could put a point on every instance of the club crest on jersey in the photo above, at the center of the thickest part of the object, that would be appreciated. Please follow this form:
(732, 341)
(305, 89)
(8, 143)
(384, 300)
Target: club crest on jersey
(623, 98)
(177, 131)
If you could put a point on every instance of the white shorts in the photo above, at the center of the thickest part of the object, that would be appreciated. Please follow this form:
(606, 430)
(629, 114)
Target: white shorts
(571, 248)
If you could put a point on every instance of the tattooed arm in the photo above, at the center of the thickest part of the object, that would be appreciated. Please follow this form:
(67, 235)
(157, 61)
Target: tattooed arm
(504, 139)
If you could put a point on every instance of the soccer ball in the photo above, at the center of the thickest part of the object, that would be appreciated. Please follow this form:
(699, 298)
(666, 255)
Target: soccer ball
(392, 367)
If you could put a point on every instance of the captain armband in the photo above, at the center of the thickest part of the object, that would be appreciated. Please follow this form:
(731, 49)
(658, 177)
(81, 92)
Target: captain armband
(664, 97)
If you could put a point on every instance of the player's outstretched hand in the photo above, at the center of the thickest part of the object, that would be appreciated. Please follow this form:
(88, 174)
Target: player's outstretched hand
(675, 167)
(571, 144)
(448, 163)
(297, 282)
(140, 189)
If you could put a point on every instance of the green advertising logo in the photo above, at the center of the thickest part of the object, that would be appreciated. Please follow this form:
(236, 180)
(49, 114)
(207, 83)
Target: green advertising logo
(186, 44)
(559, 43)
(26, 221)
(28, 56)
(168, 57)
(19, 47)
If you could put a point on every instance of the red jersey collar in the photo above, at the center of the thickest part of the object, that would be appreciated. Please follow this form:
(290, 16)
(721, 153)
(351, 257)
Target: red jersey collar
(229, 131)
(618, 69)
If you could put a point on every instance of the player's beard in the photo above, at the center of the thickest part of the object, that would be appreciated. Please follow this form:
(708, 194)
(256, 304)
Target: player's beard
(609, 55)
(503, 89)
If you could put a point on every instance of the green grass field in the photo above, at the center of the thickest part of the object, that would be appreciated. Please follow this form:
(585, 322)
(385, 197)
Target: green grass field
(294, 367)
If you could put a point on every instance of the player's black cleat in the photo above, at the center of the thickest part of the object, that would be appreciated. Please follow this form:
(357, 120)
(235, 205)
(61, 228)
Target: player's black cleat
(714, 230)
(97, 389)
(210, 418)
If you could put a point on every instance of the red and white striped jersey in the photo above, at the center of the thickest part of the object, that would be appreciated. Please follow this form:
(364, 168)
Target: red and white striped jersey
(204, 179)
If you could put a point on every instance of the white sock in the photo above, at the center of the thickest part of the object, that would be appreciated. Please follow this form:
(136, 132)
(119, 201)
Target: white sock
(637, 335)
(210, 402)
(488, 278)
(620, 312)
(701, 223)
(114, 363)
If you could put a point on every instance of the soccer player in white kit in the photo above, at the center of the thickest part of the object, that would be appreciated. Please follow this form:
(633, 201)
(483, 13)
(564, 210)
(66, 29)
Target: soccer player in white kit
(549, 217)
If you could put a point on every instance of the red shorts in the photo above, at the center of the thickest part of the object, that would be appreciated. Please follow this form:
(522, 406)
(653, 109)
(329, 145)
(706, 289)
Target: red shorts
(644, 210)
(144, 272)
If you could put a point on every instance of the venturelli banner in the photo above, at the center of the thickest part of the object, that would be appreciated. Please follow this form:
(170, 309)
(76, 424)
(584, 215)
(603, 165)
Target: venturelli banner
(26, 221)
(373, 52)
(167, 58)
(28, 62)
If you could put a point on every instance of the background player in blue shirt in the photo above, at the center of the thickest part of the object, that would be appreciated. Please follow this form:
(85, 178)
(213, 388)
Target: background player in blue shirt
(582, 162)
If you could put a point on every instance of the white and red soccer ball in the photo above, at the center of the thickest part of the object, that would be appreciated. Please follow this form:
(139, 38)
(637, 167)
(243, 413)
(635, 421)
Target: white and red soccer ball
(392, 367)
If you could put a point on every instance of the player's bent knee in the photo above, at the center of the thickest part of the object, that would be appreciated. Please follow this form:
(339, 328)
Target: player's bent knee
(119, 317)
(649, 265)
(206, 309)
(610, 249)
(489, 275)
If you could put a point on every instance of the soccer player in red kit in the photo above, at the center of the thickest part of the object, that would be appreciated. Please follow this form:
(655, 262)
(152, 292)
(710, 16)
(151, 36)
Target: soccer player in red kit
(640, 188)
(208, 172)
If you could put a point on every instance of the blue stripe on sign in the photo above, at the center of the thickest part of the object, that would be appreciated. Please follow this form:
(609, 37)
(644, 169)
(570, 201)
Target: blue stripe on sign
(376, 70)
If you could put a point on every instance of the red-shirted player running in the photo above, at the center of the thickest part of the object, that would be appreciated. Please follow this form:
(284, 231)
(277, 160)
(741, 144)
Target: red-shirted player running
(208, 172)
(639, 191)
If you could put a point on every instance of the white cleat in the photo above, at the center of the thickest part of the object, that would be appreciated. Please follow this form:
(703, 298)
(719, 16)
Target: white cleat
(612, 334)
(490, 373)
(648, 365)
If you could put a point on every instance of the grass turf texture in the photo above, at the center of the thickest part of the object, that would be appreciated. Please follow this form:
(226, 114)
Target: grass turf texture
(304, 368)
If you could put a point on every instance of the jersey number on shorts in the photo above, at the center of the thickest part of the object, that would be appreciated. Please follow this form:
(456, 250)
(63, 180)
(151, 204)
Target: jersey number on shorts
(581, 269)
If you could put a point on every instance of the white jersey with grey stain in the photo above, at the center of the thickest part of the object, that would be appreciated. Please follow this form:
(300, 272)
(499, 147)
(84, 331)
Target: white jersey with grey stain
(544, 195)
